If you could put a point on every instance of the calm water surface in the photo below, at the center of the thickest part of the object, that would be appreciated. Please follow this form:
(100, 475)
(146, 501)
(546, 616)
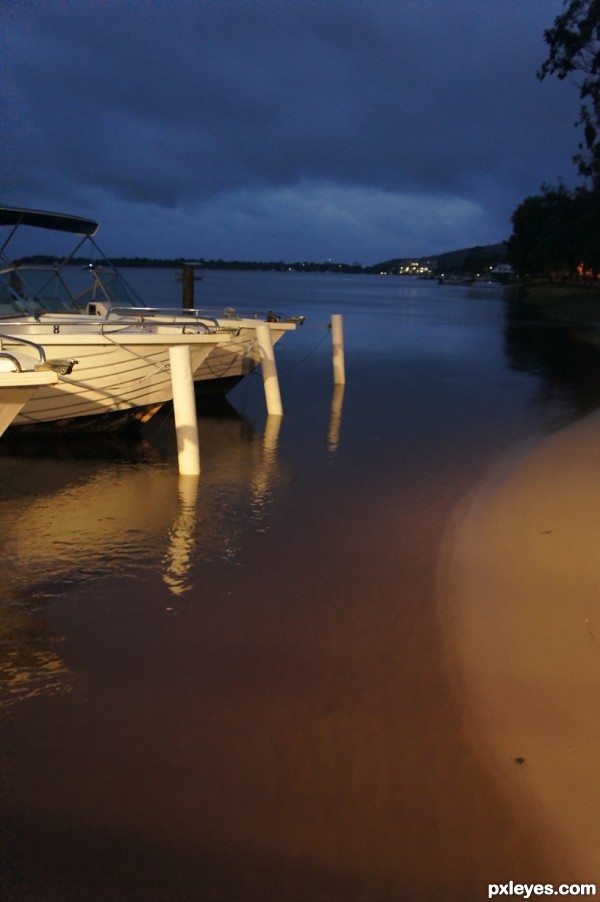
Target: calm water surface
(236, 688)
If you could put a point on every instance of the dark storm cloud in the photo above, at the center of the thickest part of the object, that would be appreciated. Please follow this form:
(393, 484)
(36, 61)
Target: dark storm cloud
(180, 104)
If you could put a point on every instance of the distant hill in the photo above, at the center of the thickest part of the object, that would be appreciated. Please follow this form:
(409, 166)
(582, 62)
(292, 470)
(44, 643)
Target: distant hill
(466, 259)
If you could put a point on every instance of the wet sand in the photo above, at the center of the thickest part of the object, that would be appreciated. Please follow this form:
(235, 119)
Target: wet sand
(520, 589)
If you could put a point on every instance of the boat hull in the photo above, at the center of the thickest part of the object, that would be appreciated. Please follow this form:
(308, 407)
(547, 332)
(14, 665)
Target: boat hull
(121, 371)
(16, 389)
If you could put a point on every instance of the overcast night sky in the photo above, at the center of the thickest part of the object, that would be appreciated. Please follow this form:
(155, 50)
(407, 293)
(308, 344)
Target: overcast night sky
(356, 130)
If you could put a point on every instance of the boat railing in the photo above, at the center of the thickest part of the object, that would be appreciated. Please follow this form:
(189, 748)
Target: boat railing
(25, 341)
(79, 324)
(172, 315)
(268, 316)
(215, 314)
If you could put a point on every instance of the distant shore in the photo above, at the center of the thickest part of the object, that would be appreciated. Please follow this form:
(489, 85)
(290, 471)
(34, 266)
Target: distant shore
(328, 266)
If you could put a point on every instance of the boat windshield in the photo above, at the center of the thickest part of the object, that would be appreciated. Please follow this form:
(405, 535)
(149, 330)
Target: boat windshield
(33, 291)
(10, 302)
(54, 287)
(108, 287)
(45, 287)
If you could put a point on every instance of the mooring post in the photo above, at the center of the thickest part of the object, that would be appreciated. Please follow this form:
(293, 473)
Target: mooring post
(184, 406)
(269, 370)
(187, 281)
(337, 342)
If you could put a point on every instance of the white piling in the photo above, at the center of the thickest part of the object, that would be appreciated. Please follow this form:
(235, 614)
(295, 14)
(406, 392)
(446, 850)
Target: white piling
(337, 341)
(184, 405)
(269, 370)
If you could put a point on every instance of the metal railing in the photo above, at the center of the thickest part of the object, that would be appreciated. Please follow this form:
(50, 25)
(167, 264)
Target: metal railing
(30, 344)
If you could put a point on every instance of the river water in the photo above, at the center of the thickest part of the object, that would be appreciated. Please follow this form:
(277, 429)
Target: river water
(238, 687)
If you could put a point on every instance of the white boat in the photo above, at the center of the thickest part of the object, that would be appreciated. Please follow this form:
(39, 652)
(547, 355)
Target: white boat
(226, 365)
(123, 363)
(109, 297)
(21, 376)
(123, 368)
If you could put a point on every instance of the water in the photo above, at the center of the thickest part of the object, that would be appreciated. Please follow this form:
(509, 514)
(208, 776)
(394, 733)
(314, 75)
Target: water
(239, 688)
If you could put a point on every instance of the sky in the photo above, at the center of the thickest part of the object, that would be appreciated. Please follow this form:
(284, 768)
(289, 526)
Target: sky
(350, 130)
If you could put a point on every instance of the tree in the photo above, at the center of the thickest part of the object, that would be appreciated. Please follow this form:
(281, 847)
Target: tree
(557, 233)
(574, 43)
(585, 227)
(541, 240)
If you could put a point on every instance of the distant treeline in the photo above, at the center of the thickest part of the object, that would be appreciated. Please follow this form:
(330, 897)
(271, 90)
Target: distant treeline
(247, 265)
(472, 259)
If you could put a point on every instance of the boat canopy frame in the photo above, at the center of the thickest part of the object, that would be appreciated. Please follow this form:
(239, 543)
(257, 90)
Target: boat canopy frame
(42, 219)
(124, 300)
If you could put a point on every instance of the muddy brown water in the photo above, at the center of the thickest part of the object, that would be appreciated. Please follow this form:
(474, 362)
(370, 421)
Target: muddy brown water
(239, 688)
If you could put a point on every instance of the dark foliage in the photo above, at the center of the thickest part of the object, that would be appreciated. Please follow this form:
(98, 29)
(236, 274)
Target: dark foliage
(557, 233)
(574, 43)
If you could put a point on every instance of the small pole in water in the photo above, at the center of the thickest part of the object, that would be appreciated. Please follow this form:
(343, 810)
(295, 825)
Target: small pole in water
(269, 370)
(187, 279)
(337, 341)
(184, 406)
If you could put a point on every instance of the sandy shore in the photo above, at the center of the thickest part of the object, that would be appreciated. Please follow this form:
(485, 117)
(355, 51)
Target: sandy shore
(520, 583)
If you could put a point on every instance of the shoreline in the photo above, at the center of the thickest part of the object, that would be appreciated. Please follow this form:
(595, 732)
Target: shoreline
(569, 302)
(519, 589)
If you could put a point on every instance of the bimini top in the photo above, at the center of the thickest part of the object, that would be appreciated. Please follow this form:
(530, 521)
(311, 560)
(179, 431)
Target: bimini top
(59, 222)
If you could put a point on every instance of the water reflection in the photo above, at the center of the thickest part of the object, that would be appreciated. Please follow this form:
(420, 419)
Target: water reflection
(264, 471)
(43, 545)
(30, 660)
(568, 366)
(68, 520)
(335, 419)
(181, 544)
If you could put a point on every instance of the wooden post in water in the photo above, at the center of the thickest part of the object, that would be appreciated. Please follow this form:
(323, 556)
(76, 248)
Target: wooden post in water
(184, 406)
(188, 285)
(269, 370)
(337, 341)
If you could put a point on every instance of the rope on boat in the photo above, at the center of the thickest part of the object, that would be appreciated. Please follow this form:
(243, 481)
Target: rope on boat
(159, 367)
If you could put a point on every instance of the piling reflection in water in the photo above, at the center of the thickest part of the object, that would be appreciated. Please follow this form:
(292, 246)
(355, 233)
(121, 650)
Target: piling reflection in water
(264, 473)
(181, 537)
(73, 519)
(261, 472)
(335, 420)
